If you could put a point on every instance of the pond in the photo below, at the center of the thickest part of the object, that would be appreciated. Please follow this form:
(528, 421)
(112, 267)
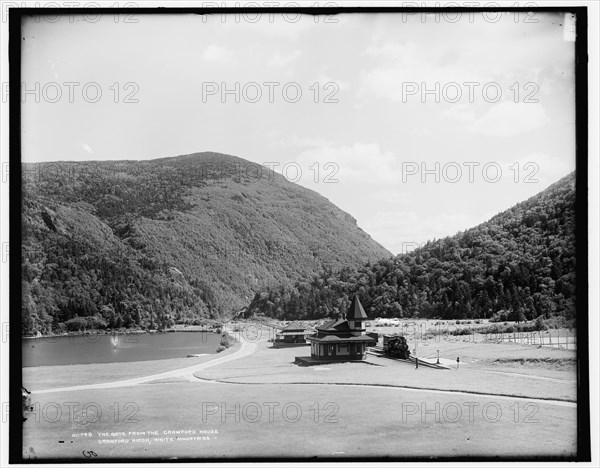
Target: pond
(90, 349)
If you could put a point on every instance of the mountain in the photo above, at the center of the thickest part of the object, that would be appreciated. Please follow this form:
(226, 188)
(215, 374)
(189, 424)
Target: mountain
(149, 243)
(519, 265)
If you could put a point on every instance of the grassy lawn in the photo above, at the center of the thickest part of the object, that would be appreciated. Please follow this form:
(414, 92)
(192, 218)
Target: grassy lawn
(322, 421)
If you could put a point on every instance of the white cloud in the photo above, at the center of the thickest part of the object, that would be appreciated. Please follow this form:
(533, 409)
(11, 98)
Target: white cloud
(358, 164)
(53, 67)
(330, 86)
(393, 51)
(280, 61)
(461, 113)
(269, 25)
(278, 138)
(216, 53)
(504, 118)
(541, 169)
(391, 197)
(398, 67)
(510, 118)
(403, 231)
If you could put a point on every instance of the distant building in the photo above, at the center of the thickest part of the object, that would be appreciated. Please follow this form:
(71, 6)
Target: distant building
(294, 334)
(343, 339)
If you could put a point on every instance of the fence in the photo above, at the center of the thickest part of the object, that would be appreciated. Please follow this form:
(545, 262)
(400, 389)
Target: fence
(564, 338)
(555, 338)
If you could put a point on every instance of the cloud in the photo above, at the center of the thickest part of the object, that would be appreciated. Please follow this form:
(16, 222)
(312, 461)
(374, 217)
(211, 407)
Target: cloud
(87, 148)
(541, 169)
(280, 61)
(271, 26)
(330, 85)
(358, 164)
(403, 231)
(391, 197)
(396, 66)
(53, 67)
(216, 53)
(510, 118)
(279, 138)
(504, 118)
(393, 51)
(461, 113)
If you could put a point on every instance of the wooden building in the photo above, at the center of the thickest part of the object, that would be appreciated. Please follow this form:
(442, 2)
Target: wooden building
(343, 339)
(293, 334)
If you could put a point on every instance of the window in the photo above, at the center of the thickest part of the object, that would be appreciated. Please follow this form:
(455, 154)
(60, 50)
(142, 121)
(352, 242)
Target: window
(357, 324)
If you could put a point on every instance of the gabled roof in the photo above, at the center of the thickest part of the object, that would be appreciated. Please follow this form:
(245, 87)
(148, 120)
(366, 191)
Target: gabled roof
(356, 311)
(328, 325)
(341, 325)
(294, 326)
(293, 333)
(335, 325)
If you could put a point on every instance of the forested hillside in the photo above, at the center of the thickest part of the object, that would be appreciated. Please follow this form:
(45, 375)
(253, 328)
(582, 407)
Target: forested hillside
(519, 265)
(145, 244)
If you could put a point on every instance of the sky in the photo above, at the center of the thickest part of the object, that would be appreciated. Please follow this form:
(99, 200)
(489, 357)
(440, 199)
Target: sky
(419, 126)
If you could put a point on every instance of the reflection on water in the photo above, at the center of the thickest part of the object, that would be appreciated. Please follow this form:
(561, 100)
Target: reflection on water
(54, 351)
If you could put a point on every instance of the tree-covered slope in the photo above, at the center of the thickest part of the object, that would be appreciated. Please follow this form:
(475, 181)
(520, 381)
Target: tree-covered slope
(149, 243)
(518, 265)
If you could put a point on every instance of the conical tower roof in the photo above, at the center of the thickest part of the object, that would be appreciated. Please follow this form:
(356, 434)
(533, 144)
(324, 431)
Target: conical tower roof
(356, 311)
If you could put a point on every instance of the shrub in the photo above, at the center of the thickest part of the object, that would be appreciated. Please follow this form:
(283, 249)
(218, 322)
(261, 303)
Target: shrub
(501, 316)
(76, 324)
(221, 348)
(226, 342)
(461, 331)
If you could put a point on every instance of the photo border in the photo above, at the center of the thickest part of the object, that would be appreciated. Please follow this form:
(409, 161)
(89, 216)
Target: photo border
(16, 16)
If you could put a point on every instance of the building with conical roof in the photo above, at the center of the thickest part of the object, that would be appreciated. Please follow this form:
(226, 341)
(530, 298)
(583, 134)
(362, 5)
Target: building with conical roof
(344, 338)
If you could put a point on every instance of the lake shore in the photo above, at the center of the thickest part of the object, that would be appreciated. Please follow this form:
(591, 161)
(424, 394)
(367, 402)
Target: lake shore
(129, 331)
